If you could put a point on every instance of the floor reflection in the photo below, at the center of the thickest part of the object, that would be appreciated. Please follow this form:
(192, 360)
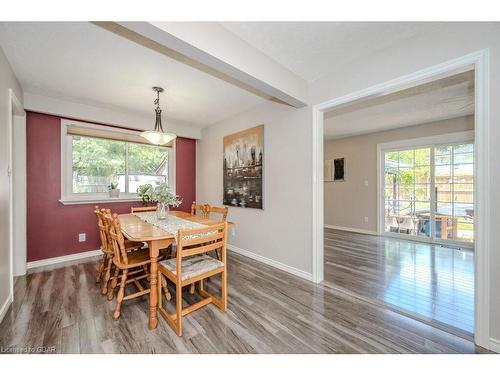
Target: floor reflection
(435, 282)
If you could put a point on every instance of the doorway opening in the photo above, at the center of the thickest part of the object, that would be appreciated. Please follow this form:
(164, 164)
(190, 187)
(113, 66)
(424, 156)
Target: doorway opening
(451, 220)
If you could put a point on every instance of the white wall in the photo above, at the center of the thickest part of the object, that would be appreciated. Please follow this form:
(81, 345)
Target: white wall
(111, 116)
(7, 81)
(347, 203)
(282, 230)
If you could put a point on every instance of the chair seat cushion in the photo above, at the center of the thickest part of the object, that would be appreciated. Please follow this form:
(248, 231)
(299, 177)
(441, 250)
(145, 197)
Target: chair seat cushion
(193, 266)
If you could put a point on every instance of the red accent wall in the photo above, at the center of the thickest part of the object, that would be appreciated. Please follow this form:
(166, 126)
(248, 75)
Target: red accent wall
(52, 228)
(185, 168)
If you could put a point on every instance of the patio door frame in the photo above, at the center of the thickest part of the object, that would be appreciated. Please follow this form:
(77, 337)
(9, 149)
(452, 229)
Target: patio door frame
(480, 61)
(417, 143)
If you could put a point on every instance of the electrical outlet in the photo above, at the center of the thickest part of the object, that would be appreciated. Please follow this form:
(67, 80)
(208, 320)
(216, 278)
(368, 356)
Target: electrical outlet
(366, 219)
(82, 237)
(366, 182)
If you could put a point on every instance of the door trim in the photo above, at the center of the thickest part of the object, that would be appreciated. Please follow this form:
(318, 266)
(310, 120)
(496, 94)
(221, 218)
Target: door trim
(15, 108)
(480, 61)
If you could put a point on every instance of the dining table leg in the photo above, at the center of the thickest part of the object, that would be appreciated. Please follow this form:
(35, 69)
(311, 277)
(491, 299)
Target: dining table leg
(154, 283)
(153, 293)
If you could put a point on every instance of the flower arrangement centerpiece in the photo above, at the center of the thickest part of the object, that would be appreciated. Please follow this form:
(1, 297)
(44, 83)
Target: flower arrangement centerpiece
(160, 194)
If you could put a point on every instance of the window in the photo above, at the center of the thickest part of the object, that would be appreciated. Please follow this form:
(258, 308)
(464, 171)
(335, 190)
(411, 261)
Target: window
(428, 191)
(93, 157)
(407, 191)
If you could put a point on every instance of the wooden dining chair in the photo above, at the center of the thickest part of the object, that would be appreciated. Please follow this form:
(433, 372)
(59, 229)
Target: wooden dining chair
(192, 265)
(222, 211)
(107, 254)
(142, 209)
(199, 209)
(106, 263)
(223, 216)
(132, 266)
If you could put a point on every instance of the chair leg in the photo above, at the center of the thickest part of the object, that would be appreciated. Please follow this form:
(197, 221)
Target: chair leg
(164, 285)
(107, 276)
(224, 290)
(178, 307)
(121, 294)
(160, 277)
(114, 282)
(146, 271)
(100, 268)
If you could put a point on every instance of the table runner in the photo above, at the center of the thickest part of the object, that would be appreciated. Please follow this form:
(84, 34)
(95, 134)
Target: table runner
(172, 224)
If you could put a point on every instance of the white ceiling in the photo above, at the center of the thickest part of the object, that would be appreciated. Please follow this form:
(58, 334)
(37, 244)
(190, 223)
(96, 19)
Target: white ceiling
(84, 63)
(310, 49)
(87, 64)
(447, 98)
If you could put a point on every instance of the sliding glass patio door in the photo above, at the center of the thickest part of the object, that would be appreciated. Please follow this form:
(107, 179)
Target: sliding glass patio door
(429, 192)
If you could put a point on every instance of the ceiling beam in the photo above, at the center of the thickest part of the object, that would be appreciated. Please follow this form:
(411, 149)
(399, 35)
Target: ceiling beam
(210, 47)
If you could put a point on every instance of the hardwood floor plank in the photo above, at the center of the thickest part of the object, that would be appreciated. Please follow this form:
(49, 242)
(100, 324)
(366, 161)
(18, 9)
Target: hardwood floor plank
(432, 281)
(269, 311)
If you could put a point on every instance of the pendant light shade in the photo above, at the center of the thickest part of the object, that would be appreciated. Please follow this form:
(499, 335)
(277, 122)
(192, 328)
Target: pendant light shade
(158, 136)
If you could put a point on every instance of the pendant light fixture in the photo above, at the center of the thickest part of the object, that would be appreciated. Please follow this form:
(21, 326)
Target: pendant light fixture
(158, 136)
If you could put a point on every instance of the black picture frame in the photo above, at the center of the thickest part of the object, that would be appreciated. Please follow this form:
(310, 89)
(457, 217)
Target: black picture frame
(339, 169)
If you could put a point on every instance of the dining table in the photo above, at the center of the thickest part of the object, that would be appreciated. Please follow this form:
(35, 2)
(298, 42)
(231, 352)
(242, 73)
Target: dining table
(134, 228)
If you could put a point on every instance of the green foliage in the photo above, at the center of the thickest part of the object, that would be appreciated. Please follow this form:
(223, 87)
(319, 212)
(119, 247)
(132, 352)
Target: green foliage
(159, 193)
(113, 185)
(413, 165)
(104, 157)
(98, 157)
(145, 159)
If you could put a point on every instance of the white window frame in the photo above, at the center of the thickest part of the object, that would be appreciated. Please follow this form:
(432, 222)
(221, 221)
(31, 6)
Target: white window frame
(415, 143)
(67, 195)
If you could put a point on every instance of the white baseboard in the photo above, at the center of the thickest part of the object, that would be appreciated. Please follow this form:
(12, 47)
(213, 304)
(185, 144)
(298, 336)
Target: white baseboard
(355, 230)
(495, 345)
(64, 258)
(5, 307)
(271, 262)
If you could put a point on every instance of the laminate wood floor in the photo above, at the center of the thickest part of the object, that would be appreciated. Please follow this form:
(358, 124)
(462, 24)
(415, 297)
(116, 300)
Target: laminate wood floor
(270, 311)
(434, 283)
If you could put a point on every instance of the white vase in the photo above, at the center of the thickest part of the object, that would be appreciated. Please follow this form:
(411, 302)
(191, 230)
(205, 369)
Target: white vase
(162, 210)
(114, 193)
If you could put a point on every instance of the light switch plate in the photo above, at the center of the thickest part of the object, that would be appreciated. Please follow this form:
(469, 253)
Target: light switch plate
(82, 237)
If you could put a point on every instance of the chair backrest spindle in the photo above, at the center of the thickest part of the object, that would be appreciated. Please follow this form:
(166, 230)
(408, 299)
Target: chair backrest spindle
(201, 208)
(117, 239)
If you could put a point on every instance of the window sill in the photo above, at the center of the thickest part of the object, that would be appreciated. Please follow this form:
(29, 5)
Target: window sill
(72, 201)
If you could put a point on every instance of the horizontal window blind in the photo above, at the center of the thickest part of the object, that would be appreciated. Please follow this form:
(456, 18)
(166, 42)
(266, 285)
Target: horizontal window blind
(125, 136)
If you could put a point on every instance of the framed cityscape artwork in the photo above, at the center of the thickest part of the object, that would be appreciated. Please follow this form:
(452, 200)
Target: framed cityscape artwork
(243, 168)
